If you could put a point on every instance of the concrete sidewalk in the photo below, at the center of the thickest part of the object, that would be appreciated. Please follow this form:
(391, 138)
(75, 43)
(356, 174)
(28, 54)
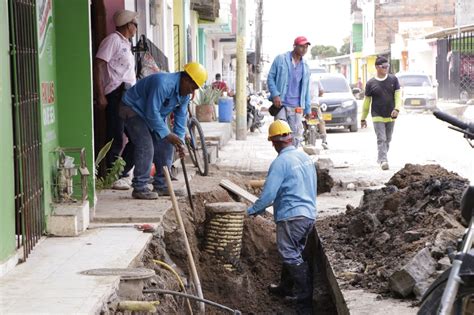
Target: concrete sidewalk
(49, 281)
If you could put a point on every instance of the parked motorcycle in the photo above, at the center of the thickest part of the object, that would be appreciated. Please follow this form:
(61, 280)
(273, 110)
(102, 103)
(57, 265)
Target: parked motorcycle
(453, 291)
(254, 115)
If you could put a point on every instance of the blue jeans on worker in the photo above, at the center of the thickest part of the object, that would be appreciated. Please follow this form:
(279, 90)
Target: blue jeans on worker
(164, 153)
(148, 147)
(291, 239)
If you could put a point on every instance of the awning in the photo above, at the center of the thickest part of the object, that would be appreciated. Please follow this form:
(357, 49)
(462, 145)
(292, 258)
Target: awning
(451, 31)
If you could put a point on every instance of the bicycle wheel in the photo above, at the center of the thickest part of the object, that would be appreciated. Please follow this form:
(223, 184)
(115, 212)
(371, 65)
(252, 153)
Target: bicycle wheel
(197, 147)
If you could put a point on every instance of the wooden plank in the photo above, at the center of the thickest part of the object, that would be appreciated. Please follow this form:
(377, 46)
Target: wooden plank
(227, 184)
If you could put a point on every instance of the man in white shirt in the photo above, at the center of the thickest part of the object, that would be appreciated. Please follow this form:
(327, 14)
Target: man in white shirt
(114, 72)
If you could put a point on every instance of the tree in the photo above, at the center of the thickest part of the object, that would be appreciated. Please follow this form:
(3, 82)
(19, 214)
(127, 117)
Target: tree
(322, 51)
(346, 47)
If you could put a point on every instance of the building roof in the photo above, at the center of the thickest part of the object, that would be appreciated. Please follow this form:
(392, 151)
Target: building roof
(450, 31)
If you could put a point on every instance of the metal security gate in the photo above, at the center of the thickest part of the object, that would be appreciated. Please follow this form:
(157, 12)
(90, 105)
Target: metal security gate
(26, 124)
(455, 66)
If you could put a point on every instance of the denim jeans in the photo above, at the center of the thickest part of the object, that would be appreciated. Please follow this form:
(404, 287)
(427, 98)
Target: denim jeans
(164, 152)
(143, 155)
(115, 130)
(148, 148)
(384, 132)
(295, 120)
(291, 237)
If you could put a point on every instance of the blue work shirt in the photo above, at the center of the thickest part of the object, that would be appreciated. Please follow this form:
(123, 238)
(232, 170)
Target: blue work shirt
(156, 96)
(279, 75)
(291, 185)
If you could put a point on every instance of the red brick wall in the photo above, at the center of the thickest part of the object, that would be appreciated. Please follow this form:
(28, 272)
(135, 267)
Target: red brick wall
(388, 16)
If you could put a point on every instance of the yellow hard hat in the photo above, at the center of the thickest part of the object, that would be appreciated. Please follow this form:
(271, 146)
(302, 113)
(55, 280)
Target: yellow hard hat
(279, 130)
(197, 72)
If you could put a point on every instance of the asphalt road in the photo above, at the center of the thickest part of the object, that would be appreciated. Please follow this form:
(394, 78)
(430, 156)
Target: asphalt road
(419, 138)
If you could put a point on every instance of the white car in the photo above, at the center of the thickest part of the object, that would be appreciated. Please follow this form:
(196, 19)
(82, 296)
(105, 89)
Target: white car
(418, 90)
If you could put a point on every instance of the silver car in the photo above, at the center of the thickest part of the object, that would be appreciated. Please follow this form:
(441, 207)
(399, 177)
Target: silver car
(418, 90)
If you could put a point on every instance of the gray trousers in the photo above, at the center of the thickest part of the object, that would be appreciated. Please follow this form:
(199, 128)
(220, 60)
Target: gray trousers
(383, 131)
(295, 120)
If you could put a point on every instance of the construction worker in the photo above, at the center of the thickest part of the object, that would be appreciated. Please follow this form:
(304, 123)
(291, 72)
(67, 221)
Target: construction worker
(291, 187)
(145, 108)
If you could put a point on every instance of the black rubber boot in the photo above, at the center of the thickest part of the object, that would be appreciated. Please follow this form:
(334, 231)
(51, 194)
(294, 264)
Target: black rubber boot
(286, 283)
(303, 284)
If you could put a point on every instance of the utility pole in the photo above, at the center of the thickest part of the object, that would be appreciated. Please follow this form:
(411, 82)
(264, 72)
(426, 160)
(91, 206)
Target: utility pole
(241, 97)
(258, 44)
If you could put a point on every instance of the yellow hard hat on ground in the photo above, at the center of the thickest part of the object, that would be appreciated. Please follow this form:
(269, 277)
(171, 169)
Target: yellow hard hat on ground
(279, 130)
(197, 72)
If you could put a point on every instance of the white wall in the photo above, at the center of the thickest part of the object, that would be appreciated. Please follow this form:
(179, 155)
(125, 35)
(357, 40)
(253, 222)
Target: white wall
(368, 31)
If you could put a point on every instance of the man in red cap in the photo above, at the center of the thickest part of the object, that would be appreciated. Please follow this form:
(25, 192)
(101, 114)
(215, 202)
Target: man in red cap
(288, 82)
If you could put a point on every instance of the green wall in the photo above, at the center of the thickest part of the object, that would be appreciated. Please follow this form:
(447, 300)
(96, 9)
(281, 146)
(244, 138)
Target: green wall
(48, 87)
(7, 182)
(202, 47)
(357, 38)
(74, 77)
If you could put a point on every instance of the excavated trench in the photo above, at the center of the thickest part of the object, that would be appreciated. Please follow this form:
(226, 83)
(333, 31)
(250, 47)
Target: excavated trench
(239, 284)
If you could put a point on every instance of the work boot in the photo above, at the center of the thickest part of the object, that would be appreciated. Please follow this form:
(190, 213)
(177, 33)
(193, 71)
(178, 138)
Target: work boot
(145, 194)
(303, 284)
(286, 283)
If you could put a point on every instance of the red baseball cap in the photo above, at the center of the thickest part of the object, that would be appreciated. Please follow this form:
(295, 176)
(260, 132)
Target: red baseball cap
(301, 40)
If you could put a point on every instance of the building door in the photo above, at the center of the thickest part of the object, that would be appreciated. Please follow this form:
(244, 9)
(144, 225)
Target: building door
(29, 212)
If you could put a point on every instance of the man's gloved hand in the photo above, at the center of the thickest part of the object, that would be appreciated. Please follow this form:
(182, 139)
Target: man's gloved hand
(277, 101)
(363, 123)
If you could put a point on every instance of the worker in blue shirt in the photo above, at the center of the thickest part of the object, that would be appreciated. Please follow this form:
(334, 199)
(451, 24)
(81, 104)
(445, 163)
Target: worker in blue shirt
(291, 187)
(145, 108)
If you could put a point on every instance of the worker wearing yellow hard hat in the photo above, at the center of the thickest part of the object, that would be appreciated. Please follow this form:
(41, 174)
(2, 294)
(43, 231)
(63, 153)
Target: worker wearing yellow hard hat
(291, 187)
(145, 109)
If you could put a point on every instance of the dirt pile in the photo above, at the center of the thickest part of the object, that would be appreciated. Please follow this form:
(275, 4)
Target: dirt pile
(244, 289)
(418, 208)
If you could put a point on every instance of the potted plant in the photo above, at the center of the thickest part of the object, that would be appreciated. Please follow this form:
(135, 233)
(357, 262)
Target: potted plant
(205, 100)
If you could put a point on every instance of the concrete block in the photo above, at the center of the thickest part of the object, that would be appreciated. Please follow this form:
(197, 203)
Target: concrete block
(80, 210)
(62, 225)
(324, 163)
(311, 150)
(417, 270)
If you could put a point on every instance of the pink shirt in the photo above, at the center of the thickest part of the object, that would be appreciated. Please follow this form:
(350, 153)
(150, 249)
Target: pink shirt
(116, 50)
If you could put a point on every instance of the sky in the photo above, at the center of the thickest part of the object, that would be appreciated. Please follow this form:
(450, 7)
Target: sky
(323, 22)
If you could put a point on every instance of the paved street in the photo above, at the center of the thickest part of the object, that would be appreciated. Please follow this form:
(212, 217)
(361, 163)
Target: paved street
(418, 138)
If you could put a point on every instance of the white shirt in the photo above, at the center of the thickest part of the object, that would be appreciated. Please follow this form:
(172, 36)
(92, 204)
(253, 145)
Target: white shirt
(116, 50)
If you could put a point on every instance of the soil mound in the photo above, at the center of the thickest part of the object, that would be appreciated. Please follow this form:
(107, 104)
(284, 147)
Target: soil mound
(413, 211)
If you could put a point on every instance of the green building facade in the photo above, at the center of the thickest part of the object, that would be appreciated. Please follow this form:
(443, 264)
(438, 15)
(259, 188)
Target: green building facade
(63, 77)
